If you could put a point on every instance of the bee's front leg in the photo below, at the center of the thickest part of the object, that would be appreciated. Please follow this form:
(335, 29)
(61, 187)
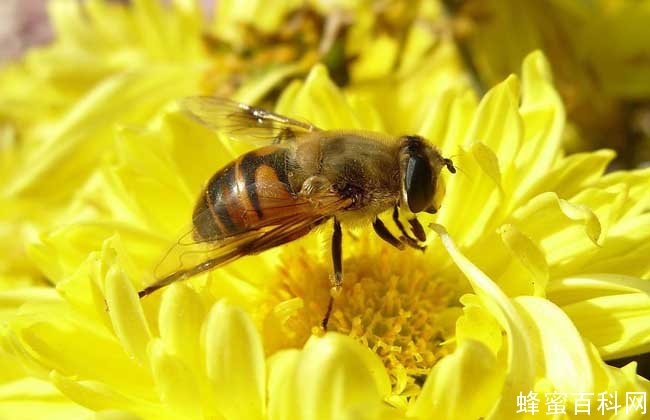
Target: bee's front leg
(337, 262)
(417, 229)
(383, 232)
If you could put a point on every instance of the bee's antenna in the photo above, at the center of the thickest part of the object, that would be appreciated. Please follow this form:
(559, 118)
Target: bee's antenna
(450, 165)
(459, 169)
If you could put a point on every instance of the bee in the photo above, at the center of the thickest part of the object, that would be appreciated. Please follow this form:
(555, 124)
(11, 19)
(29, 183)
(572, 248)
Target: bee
(297, 179)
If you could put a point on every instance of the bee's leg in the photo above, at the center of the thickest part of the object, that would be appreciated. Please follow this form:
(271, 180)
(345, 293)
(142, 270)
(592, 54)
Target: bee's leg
(385, 234)
(417, 228)
(337, 251)
(286, 134)
(406, 238)
(314, 184)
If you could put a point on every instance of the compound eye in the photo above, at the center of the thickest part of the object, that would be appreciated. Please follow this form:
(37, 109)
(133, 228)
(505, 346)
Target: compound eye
(419, 183)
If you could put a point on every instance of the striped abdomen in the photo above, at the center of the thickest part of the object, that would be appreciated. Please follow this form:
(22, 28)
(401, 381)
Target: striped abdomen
(250, 192)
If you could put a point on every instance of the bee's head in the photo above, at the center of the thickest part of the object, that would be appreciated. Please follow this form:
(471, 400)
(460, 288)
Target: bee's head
(420, 166)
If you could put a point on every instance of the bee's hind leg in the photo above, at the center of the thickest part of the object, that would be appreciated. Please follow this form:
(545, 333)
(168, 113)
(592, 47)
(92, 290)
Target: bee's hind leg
(337, 262)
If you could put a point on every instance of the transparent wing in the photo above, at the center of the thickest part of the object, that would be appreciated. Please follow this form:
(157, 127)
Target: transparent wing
(243, 122)
(291, 220)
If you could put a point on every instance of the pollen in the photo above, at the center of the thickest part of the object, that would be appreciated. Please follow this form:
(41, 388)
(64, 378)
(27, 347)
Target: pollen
(397, 303)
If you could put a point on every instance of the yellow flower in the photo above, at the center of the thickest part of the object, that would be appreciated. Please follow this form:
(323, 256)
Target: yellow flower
(108, 65)
(546, 276)
(111, 63)
(598, 52)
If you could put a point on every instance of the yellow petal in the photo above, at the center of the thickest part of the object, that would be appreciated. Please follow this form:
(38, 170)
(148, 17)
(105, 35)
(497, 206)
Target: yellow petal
(319, 101)
(471, 189)
(619, 325)
(144, 176)
(259, 86)
(562, 229)
(572, 174)
(36, 399)
(624, 251)
(235, 362)
(561, 349)
(564, 291)
(461, 113)
(606, 204)
(638, 182)
(179, 322)
(335, 377)
(478, 324)
(197, 152)
(71, 141)
(375, 61)
(115, 415)
(529, 263)
(436, 125)
(463, 385)
(233, 15)
(521, 360)
(126, 314)
(48, 340)
(497, 123)
(543, 120)
(97, 396)
(175, 382)
(281, 368)
(10, 300)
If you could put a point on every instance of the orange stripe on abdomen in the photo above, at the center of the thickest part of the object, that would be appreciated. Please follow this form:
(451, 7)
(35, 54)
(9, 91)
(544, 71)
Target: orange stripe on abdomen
(249, 193)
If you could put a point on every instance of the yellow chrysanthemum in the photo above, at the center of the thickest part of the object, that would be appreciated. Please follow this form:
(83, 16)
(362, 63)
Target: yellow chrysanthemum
(546, 276)
(106, 66)
(111, 63)
(598, 51)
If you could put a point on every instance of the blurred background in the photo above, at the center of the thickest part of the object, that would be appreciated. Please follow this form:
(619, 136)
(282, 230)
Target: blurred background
(599, 51)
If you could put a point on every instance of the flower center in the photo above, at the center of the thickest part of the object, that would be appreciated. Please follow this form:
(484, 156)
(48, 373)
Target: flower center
(396, 303)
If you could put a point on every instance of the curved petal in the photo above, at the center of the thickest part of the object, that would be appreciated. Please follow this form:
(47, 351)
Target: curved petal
(176, 384)
(577, 288)
(333, 377)
(497, 122)
(97, 396)
(543, 117)
(573, 173)
(611, 310)
(477, 324)
(463, 385)
(529, 262)
(37, 399)
(126, 313)
(318, 100)
(179, 321)
(521, 359)
(561, 229)
(11, 300)
(618, 325)
(235, 362)
(282, 367)
(560, 346)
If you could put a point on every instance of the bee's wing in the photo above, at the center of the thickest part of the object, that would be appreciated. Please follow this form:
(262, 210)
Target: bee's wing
(189, 257)
(243, 122)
